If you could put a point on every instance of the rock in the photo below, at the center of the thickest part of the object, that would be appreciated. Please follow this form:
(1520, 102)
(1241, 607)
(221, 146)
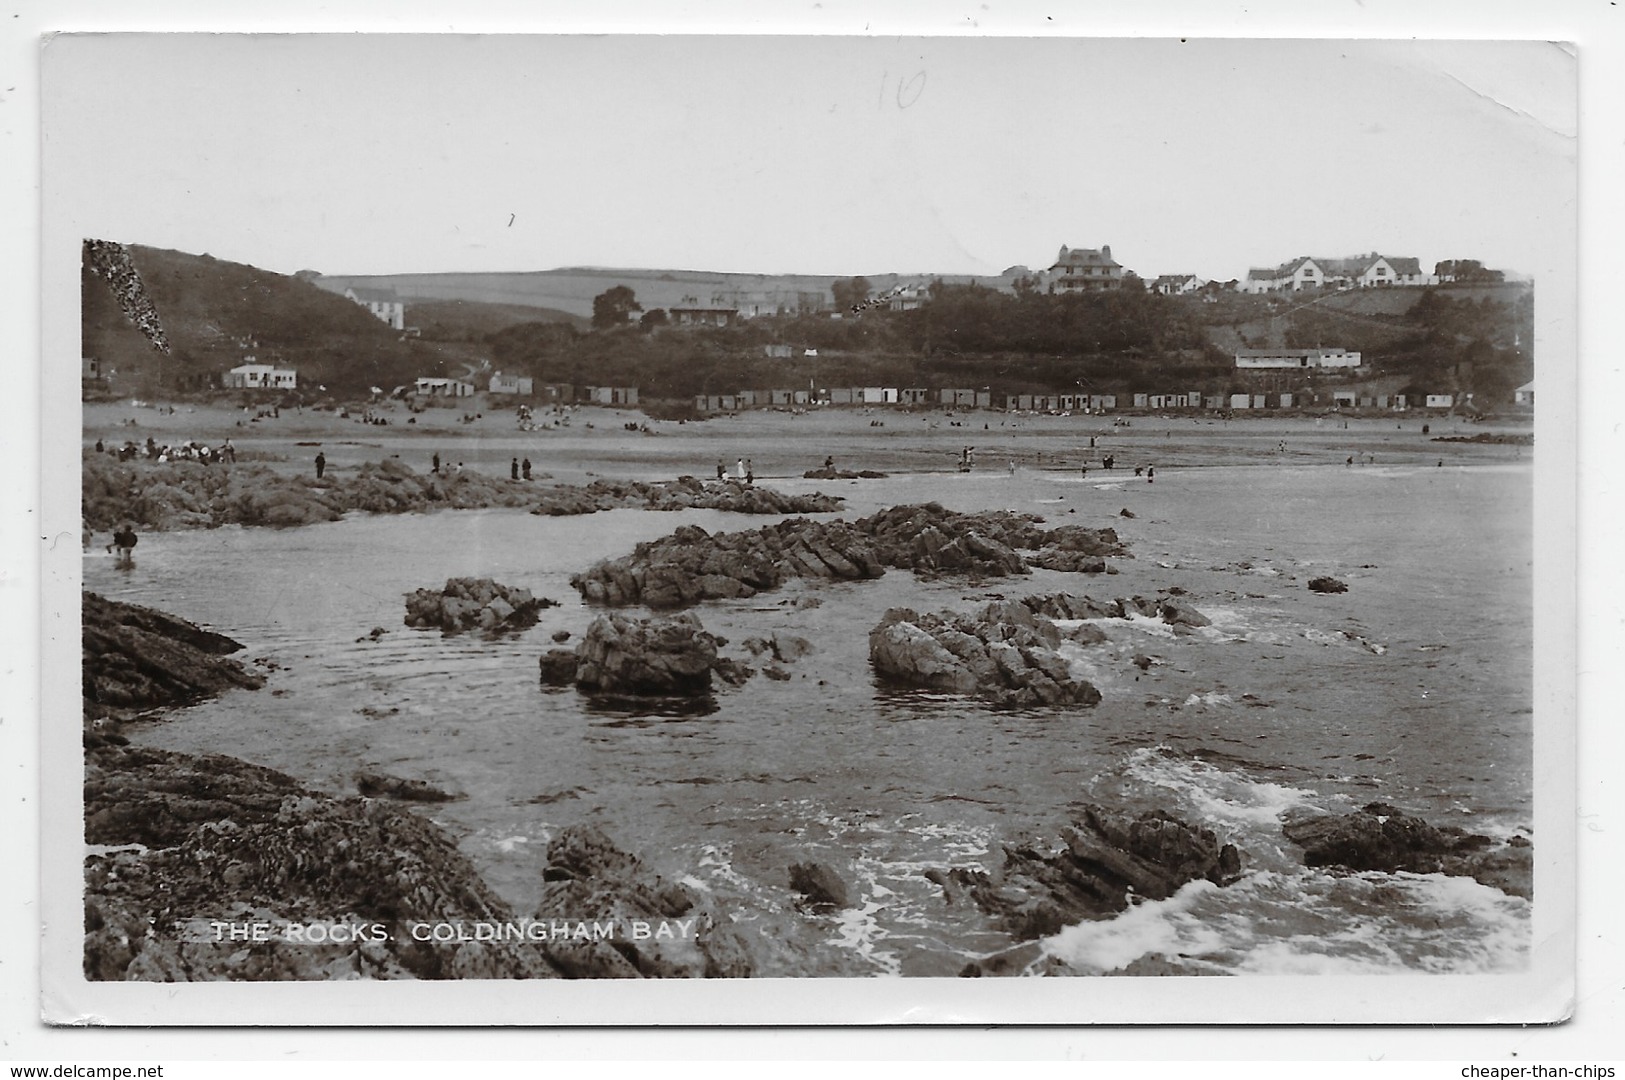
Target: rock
(561, 635)
(681, 494)
(213, 838)
(821, 885)
(662, 656)
(1327, 585)
(374, 785)
(589, 877)
(558, 667)
(1381, 837)
(1002, 654)
(1127, 513)
(1179, 613)
(135, 659)
(776, 673)
(789, 647)
(474, 604)
(1102, 860)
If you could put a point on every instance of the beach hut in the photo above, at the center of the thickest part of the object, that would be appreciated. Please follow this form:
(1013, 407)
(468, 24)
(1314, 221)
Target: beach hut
(1141, 401)
(1286, 401)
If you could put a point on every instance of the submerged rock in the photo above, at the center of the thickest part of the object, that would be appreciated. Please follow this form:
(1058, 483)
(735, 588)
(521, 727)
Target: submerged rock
(1103, 862)
(1327, 585)
(1382, 837)
(376, 785)
(558, 667)
(474, 604)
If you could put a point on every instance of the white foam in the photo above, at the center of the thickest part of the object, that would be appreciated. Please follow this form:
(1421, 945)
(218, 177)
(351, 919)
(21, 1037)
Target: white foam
(1155, 926)
(1215, 793)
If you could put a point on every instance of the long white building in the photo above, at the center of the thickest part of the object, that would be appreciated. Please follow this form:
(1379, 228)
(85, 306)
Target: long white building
(1281, 359)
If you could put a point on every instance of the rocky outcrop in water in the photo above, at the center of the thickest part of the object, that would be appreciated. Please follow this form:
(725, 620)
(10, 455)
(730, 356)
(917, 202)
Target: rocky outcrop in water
(664, 657)
(692, 565)
(136, 659)
(474, 604)
(842, 474)
(1382, 837)
(587, 873)
(188, 841)
(1327, 585)
(1002, 654)
(376, 785)
(1174, 611)
(684, 493)
(822, 887)
(1102, 861)
(190, 495)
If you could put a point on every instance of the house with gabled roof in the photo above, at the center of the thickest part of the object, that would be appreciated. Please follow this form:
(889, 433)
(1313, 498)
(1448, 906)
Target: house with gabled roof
(383, 303)
(1084, 269)
(1357, 272)
(1177, 284)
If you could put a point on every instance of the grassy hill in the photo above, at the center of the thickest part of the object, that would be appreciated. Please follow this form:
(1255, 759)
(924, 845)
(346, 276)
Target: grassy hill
(470, 320)
(216, 313)
(571, 290)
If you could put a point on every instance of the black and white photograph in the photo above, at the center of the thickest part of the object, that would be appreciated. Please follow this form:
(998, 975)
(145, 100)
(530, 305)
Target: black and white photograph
(1050, 528)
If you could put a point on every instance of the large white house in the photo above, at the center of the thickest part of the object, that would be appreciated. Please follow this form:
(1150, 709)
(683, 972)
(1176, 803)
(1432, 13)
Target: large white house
(383, 303)
(1268, 359)
(252, 376)
(1360, 272)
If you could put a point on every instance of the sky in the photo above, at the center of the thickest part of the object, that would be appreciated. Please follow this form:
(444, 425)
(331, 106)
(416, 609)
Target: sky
(373, 154)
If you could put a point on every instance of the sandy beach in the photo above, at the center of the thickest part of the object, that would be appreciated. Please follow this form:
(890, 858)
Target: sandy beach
(780, 444)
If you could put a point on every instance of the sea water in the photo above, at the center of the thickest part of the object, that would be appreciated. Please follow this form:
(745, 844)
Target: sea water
(1412, 688)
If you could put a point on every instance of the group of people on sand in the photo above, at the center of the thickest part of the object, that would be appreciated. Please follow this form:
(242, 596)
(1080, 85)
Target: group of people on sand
(745, 471)
(186, 451)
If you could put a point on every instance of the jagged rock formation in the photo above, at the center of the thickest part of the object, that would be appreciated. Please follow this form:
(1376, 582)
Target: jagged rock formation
(474, 604)
(842, 474)
(692, 565)
(201, 840)
(190, 495)
(1002, 654)
(135, 658)
(1382, 837)
(684, 493)
(666, 657)
(1102, 861)
(586, 872)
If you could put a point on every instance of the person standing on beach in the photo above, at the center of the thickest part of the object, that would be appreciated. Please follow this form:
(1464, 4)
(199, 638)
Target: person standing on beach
(750, 472)
(739, 469)
(228, 452)
(436, 469)
(513, 470)
(321, 464)
(524, 468)
(722, 471)
(1150, 474)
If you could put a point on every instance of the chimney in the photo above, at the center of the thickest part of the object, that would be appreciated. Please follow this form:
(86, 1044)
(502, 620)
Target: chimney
(1106, 250)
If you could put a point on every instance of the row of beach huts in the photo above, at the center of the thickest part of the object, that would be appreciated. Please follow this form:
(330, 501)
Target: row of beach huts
(1055, 403)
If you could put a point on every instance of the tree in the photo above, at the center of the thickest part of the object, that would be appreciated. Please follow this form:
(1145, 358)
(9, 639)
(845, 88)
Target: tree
(851, 293)
(613, 307)
(654, 317)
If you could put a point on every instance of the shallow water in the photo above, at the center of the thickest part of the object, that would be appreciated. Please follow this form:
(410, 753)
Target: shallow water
(1414, 688)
